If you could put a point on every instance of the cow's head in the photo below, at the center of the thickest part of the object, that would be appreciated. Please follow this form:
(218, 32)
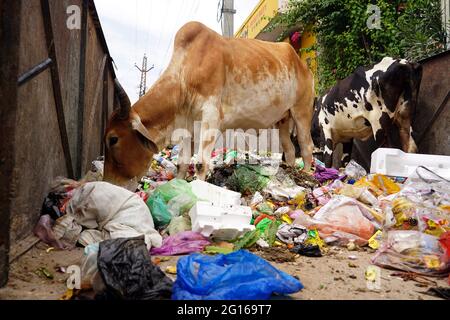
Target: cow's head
(129, 144)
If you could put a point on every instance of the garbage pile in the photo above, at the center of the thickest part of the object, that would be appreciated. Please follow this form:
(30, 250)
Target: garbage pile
(250, 206)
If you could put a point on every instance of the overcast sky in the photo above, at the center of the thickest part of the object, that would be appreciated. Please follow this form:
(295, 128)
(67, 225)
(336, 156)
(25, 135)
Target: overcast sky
(135, 27)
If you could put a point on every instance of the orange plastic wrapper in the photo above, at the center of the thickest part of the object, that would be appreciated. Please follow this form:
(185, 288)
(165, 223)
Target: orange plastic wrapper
(385, 184)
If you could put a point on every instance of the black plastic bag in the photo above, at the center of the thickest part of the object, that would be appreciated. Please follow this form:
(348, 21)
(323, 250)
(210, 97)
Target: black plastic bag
(51, 205)
(307, 250)
(128, 273)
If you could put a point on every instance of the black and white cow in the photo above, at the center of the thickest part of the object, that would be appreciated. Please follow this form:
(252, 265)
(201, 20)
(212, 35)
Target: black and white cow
(369, 103)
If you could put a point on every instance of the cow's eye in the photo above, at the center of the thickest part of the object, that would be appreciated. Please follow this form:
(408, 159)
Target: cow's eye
(113, 141)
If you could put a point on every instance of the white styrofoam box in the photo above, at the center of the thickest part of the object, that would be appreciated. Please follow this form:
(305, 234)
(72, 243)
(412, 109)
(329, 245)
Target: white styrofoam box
(216, 195)
(223, 223)
(396, 163)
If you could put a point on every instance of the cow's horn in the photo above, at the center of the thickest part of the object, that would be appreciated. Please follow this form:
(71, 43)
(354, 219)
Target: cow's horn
(125, 104)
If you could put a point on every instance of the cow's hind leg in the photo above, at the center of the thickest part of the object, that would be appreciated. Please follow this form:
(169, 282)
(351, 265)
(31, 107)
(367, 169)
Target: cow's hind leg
(209, 134)
(403, 122)
(302, 113)
(286, 142)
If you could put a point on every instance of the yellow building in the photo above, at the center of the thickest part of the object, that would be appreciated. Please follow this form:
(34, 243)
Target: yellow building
(261, 16)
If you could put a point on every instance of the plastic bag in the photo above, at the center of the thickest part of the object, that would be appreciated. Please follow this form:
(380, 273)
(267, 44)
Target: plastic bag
(361, 194)
(170, 199)
(181, 243)
(355, 171)
(179, 224)
(239, 275)
(158, 209)
(44, 231)
(292, 234)
(341, 219)
(128, 272)
(323, 174)
(385, 184)
(412, 251)
(90, 277)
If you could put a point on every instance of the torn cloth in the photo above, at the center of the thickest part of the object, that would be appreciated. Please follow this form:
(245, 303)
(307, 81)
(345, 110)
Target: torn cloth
(323, 174)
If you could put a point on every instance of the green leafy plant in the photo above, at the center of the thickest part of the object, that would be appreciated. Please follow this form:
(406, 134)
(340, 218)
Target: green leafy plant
(409, 29)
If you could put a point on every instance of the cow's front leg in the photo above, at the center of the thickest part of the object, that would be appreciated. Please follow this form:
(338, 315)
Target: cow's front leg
(208, 136)
(328, 153)
(328, 149)
(184, 157)
(286, 142)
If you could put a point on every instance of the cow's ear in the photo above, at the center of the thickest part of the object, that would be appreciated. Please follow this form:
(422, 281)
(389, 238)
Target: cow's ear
(137, 125)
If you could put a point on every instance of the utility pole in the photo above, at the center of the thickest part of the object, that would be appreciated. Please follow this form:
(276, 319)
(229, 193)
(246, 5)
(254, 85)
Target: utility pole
(227, 13)
(144, 71)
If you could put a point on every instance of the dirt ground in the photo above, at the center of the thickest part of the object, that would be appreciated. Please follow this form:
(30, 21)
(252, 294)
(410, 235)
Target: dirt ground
(339, 275)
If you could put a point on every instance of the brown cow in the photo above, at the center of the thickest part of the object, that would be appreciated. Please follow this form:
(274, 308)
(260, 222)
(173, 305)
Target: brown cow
(224, 84)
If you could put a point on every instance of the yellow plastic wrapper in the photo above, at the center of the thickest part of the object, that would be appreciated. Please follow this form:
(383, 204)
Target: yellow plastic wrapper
(299, 200)
(68, 295)
(437, 227)
(374, 241)
(432, 262)
(405, 214)
(364, 183)
(385, 184)
(286, 218)
(171, 269)
(314, 239)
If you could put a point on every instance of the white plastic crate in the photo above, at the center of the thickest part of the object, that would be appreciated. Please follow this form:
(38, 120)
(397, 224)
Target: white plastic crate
(223, 223)
(396, 163)
(216, 195)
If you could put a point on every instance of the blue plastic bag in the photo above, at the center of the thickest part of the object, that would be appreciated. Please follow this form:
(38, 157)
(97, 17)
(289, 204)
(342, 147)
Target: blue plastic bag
(240, 275)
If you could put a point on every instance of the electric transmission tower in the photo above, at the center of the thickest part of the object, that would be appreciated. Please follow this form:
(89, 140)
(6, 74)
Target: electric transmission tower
(144, 71)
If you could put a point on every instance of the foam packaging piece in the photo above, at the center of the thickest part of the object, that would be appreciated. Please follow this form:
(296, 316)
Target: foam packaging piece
(222, 223)
(396, 163)
(216, 195)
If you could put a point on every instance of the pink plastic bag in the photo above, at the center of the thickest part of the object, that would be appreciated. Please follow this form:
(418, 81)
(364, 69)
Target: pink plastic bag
(340, 220)
(181, 243)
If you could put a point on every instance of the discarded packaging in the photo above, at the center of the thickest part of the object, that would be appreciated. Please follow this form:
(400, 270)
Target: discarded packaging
(224, 223)
(181, 243)
(396, 163)
(236, 276)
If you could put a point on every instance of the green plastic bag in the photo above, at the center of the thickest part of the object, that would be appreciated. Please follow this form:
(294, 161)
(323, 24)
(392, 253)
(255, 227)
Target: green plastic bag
(171, 199)
(264, 224)
(158, 209)
(173, 188)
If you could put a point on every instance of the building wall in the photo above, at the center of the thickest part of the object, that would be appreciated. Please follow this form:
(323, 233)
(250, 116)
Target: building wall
(261, 16)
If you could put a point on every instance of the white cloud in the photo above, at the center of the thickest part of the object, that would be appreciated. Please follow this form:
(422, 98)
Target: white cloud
(135, 27)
